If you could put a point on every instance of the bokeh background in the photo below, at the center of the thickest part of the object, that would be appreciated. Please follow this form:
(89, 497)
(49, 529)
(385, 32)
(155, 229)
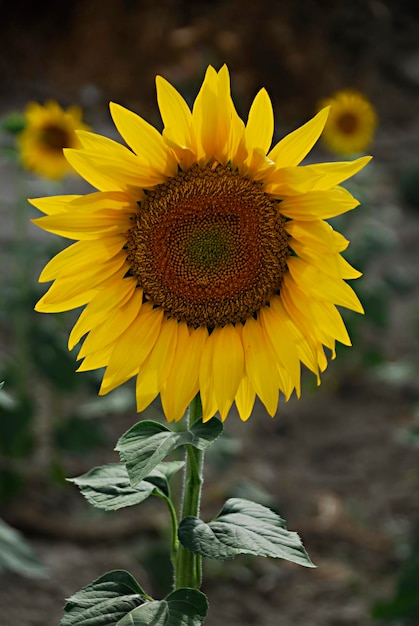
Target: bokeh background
(341, 464)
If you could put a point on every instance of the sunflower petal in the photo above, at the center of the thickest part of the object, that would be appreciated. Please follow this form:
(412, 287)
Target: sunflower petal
(132, 348)
(182, 384)
(115, 293)
(154, 371)
(332, 174)
(322, 286)
(260, 125)
(228, 365)
(145, 140)
(259, 367)
(77, 256)
(71, 292)
(294, 147)
(113, 326)
(318, 204)
(175, 113)
(245, 398)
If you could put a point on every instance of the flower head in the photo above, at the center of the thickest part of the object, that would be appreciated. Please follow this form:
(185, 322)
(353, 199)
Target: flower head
(351, 124)
(204, 260)
(48, 130)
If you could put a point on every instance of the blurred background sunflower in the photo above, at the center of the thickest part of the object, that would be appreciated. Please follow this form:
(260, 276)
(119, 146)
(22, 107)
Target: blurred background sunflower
(48, 129)
(351, 123)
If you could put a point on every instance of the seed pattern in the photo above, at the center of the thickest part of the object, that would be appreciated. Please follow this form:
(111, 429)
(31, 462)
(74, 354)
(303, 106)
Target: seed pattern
(208, 246)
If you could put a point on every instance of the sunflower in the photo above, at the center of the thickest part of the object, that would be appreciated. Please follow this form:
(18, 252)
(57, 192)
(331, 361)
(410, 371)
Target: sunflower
(49, 129)
(351, 124)
(204, 260)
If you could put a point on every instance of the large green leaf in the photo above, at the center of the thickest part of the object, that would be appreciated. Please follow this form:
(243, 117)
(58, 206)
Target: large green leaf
(108, 486)
(116, 599)
(16, 555)
(183, 607)
(243, 527)
(147, 443)
(105, 602)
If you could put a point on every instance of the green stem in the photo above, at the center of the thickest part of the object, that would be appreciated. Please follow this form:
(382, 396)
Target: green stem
(188, 570)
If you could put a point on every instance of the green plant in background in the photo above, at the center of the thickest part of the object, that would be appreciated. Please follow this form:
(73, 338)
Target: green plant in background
(207, 272)
(16, 555)
(403, 608)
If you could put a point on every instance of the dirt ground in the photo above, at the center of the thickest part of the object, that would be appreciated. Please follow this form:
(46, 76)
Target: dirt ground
(336, 464)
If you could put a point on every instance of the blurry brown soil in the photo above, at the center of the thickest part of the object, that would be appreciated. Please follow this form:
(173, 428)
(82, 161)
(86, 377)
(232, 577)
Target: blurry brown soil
(335, 464)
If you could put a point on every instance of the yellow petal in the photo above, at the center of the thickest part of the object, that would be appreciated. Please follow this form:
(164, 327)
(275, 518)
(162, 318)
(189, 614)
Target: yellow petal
(206, 381)
(332, 174)
(71, 292)
(231, 123)
(306, 344)
(316, 233)
(276, 326)
(290, 181)
(88, 226)
(113, 326)
(228, 365)
(175, 113)
(184, 156)
(132, 348)
(145, 140)
(154, 371)
(318, 204)
(259, 366)
(53, 204)
(319, 315)
(257, 165)
(329, 262)
(322, 286)
(205, 118)
(245, 398)
(79, 255)
(92, 142)
(260, 125)
(97, 360)
(115, 293)
(67, 303)
(113, 171)
(294, 147)
(182, 384)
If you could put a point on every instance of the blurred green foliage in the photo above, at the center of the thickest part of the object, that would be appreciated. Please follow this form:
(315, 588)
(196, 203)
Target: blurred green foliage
(403, 608)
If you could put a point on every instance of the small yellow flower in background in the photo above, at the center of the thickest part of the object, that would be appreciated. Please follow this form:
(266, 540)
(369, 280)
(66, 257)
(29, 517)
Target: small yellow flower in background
(351, 124)
(48, 130)
(204, 260)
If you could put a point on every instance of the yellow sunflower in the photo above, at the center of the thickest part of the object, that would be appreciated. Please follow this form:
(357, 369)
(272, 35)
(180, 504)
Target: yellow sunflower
(351, 124)
(48, 130)
(204, 260)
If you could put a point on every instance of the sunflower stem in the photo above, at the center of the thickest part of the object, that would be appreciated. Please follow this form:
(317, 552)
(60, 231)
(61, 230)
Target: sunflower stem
(188, 568)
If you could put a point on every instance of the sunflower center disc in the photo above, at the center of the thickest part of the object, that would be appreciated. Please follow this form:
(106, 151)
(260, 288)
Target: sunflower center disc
(348, 123)
(55, 138)
(208, 246)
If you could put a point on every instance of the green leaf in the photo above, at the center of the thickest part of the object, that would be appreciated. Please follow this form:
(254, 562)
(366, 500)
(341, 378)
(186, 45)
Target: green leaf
(183, 607)
(147, 443)
(13, 123)
(16, 554)
(105, 602)
(243, 527)
(108, 487)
